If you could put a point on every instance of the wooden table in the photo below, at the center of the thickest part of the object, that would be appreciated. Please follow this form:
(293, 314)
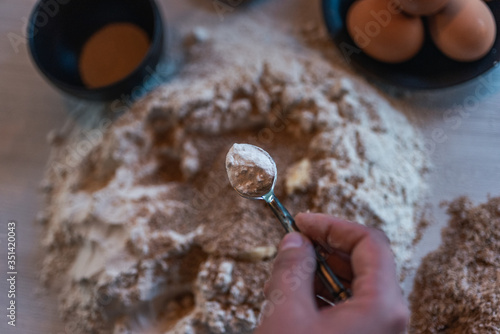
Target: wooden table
(464, 145)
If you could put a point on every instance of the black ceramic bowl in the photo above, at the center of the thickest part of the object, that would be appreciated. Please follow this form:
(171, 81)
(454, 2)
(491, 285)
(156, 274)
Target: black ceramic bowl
(58, 29)
(429, 69)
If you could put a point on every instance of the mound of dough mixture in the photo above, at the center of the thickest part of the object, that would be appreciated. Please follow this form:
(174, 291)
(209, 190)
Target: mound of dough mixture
(457, 287)
(144, 232)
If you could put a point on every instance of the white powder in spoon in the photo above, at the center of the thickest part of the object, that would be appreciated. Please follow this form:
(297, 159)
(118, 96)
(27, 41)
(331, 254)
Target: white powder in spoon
(250, 169)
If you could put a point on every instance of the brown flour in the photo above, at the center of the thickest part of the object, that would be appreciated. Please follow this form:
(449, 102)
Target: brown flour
(457, 287)
(146, 234)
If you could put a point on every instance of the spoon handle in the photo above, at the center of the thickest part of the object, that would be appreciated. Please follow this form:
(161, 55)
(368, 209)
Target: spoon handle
(327, 277)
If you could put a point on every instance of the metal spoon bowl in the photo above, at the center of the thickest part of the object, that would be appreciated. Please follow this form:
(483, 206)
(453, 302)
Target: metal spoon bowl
(331, 282)
(271, 189)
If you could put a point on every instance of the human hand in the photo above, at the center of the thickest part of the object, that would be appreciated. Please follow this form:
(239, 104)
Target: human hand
(359, 256)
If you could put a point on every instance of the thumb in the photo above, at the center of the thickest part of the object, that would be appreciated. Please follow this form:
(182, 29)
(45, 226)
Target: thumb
(290, 288)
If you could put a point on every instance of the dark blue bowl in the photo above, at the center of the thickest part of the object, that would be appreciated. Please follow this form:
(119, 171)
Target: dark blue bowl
(58, 29)
(429, 69)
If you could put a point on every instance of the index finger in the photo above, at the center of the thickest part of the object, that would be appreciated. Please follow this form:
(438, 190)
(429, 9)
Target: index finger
(371, 257)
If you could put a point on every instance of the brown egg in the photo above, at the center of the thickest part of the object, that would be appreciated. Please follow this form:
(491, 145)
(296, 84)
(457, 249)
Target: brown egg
(383, 31)
(422, 7)
(465, 30)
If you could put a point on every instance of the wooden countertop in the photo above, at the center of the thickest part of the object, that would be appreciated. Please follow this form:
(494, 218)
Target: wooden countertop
(464, 145)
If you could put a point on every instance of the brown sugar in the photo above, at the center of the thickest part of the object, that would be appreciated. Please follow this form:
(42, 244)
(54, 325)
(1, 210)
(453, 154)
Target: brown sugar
(457, 287)
(112, 53)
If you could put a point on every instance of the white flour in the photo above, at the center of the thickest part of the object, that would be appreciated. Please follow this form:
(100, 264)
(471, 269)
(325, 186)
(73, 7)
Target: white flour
(251, 171)
(146, 234)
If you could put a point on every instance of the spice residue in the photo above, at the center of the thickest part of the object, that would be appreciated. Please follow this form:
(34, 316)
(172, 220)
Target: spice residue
(250, 169)
(112, 53)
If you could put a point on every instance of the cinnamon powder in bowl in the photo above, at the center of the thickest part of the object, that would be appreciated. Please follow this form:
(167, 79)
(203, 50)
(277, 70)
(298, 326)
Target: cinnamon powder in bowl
(112, 53)
(96, 49)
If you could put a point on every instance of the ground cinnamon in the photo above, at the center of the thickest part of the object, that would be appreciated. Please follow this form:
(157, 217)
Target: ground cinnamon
(112, 53)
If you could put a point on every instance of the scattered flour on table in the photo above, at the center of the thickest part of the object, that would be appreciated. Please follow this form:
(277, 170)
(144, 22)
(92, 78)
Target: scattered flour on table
(145, 233)
(457, 287)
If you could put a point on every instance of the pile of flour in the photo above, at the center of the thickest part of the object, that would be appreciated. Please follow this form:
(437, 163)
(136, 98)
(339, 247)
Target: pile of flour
(457, 287)
(251, 171)
(145, 233)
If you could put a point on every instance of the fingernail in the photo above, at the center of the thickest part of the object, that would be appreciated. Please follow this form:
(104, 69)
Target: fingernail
(292, 240)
